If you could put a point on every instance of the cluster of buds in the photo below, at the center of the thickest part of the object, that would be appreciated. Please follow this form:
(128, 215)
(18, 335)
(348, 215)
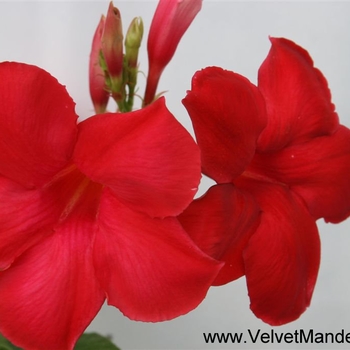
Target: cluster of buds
(114, 61)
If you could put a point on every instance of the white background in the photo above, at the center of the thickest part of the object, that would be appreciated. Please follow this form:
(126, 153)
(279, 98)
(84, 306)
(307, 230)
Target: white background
(233, 34)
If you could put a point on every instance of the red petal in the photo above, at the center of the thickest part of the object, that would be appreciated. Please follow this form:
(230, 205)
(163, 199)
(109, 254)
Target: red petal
(50, 294)
(147, 158)
(282, 257)
(26, 218)
(228, 114)
(37, 124)
(297, 97)
(317, 170)
(40, 211)
(221, 223)
(150, 269)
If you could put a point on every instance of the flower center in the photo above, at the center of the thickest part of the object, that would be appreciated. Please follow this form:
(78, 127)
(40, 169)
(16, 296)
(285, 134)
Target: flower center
(75, 193)
(259, 176)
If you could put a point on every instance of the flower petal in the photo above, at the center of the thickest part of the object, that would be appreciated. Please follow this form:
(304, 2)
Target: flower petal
(282, 257)
(297, 96)
(26, 218)
(50, 294)
(228, 114)
(148, 159)
(317, 170)
(150, 269)
(221, 223)
(37, 124)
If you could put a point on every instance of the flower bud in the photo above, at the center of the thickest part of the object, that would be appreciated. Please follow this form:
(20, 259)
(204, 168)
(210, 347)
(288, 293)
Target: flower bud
(132, 45)
(170, 22)
(112, 46)
(98, 89)
(133, 40)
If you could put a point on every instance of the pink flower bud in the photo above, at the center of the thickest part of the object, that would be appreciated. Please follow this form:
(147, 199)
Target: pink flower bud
(170, 22)
(112, 44)
(98, 91)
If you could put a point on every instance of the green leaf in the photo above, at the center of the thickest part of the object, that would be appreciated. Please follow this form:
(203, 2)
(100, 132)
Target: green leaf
(88, 341)
(93, 341)
(6, 345)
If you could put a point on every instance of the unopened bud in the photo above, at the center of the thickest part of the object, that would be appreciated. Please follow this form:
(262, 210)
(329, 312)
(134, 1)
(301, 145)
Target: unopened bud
(170, 22)
(98, 89)
(133, 40)
(112, 46)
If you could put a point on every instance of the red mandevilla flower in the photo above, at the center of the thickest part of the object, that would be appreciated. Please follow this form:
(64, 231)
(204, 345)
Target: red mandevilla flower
(281, 161)
(87, 213)
(170, 22)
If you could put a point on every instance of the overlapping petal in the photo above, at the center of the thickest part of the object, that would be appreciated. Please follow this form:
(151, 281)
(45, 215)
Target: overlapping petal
(148, 159)
(37, 123)
(228, 115)
(50, 293)
(26, 218)
(221, 223)
(29, 216)
(282, 257)
(150, 269)
(317, 170)
(298, 100)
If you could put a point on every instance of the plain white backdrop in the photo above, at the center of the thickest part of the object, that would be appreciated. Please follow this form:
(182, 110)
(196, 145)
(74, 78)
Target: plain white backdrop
(233, 34)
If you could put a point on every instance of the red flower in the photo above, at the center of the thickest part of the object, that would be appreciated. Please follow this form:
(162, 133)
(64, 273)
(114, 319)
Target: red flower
(87, 213)
(170, 22)
(281, 161)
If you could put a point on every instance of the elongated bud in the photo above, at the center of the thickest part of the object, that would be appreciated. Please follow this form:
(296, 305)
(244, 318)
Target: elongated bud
(170, 22)
(133, 40)
(98, 89)
(112, 46)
